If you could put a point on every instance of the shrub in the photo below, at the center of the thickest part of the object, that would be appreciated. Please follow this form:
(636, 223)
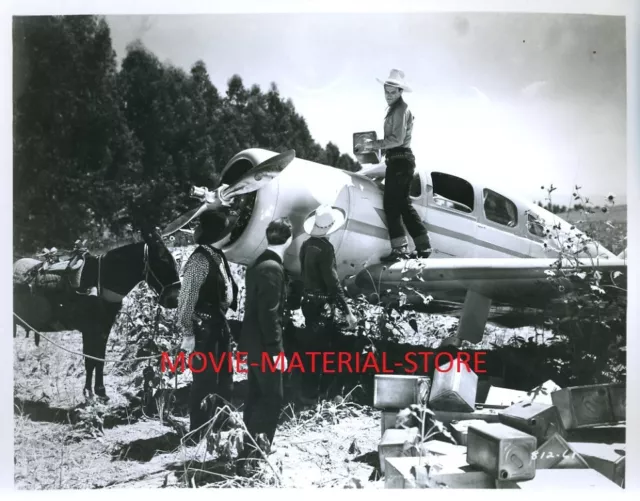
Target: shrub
(589, 328)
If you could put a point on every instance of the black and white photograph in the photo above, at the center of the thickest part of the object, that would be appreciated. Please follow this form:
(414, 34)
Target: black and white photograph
(352, 249)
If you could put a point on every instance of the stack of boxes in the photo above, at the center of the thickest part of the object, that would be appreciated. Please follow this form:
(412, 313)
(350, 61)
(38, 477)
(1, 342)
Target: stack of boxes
(525, 445)
(391, 394)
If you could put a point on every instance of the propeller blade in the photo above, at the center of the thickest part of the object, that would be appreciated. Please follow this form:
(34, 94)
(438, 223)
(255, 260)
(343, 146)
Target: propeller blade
(251, 181)
(260, 175)
(183, 220)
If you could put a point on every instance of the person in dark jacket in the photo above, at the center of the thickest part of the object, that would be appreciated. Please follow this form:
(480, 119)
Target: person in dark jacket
(322, 294)
(207, 292)
(400, 167)
(261, 338)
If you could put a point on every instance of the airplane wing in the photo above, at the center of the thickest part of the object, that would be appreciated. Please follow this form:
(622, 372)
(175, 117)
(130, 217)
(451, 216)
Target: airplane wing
(480, 283)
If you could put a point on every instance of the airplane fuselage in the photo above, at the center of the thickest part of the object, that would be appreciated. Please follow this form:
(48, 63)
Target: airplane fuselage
(491, 249)
(465, 219)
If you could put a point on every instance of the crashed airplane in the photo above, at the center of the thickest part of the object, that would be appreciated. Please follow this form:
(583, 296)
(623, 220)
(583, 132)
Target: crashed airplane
(491, 249)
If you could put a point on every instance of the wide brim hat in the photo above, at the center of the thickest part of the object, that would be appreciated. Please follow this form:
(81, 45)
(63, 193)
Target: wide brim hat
(396, 79)
(324, 221)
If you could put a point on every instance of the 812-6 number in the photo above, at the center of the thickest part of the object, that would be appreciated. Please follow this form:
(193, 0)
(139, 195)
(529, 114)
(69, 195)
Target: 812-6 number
(549, 454)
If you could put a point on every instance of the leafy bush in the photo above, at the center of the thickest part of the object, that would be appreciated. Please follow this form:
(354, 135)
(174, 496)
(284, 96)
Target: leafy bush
(589, 330)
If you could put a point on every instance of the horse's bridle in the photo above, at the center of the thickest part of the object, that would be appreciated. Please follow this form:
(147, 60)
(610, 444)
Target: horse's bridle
(149, 271)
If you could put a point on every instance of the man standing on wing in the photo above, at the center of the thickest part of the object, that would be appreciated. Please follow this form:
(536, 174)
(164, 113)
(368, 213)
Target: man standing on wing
(400, 167)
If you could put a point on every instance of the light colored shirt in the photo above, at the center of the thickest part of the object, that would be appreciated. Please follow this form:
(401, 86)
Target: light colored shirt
(195, 274)
(398, 127)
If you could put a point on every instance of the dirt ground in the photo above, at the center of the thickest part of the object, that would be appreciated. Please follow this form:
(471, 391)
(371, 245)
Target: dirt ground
(64, 441)
(332, 445)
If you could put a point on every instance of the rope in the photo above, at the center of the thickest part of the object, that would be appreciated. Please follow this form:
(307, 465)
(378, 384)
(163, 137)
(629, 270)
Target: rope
(82, 354)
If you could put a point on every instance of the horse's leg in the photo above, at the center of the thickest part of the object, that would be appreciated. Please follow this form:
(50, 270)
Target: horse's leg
(83, 315)
(108, 312)
(102, 337)
(89, 363)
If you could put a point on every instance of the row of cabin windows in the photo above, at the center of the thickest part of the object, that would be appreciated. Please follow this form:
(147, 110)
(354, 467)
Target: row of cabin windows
(455, 193)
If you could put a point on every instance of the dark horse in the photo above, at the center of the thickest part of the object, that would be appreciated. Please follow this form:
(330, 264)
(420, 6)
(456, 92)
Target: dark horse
(67, 305)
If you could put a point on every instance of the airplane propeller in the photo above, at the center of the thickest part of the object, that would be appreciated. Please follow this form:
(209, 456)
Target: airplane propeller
(221, 197)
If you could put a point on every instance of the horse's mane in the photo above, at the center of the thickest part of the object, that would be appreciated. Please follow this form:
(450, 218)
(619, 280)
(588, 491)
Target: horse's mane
(121, 252)
(110, 249)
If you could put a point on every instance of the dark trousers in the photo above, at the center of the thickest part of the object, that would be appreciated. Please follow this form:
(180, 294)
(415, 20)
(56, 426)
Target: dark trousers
(318, 336)
(397, 205)
(263, 402)
(211, 337)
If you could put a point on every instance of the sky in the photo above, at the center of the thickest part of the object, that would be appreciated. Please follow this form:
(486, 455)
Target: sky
(513, 99)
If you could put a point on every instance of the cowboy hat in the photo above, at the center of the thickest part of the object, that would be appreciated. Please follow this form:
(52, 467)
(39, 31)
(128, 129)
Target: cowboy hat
(396, 79)
(323, 221)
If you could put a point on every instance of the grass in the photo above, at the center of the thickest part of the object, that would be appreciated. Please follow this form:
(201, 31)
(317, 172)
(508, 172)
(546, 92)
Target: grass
(609, 228)
(52, 452)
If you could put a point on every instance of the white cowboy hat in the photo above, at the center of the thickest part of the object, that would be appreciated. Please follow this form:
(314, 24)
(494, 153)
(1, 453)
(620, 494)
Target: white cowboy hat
(323, 221)
(396, 78)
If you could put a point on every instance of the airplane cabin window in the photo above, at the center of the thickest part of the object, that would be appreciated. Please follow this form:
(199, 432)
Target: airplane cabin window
(535, 226)
(499, 209)
(452, 192)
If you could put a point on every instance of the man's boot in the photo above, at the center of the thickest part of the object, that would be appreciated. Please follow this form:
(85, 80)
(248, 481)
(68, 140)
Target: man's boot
(423, 247)
(397, 254)
(423, 253)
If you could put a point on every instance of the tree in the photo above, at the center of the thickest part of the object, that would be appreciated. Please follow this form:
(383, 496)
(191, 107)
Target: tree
(95, 149)
(68, 134)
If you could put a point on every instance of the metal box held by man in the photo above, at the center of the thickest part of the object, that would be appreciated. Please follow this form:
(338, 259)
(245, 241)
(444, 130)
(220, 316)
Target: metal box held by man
(453, 390)
(581, 406)
(501, 451)
(394, 391)
(540, 420)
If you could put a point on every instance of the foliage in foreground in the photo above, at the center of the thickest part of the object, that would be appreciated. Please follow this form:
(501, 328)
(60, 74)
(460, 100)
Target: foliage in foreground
(592, 328)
